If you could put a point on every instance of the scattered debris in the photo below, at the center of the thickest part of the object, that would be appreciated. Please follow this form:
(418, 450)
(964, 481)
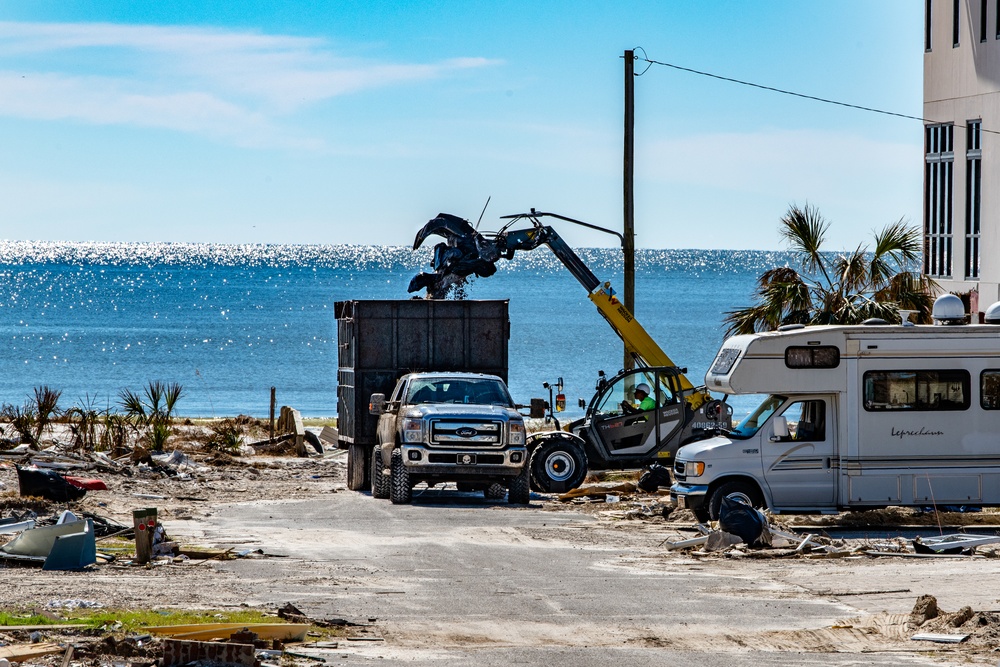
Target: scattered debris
(67, 545)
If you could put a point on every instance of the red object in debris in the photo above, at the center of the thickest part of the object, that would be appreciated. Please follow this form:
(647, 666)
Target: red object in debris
(151, 522)
(142, 527)
(88, 483)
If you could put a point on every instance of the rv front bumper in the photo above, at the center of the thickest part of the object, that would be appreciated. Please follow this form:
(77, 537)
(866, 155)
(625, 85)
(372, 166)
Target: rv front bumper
(688, 496)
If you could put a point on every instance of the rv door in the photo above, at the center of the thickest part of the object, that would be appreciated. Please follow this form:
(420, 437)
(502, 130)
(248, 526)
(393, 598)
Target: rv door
(799, 467)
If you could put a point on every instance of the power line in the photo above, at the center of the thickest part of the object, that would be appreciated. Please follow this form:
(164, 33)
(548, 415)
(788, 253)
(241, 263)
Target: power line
(824, 100)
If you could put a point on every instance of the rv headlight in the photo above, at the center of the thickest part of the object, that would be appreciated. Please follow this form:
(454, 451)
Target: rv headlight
(516, 433)
(694, 468)
(413, 430)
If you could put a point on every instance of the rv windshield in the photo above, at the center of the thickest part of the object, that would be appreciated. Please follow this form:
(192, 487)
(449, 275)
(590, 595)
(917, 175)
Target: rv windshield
(752, 423)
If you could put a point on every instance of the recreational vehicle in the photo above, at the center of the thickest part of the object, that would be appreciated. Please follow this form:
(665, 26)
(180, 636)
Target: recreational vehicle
(855, 417)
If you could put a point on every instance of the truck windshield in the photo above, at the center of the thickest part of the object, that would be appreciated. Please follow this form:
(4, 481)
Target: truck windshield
(752, 423)
(458, 390)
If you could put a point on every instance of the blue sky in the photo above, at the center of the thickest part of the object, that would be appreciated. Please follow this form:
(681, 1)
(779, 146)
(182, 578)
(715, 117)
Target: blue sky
(355, 122)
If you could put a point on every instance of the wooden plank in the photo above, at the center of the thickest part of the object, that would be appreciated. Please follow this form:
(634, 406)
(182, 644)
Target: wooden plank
(22, 652)
(207, 631)
(29, 628)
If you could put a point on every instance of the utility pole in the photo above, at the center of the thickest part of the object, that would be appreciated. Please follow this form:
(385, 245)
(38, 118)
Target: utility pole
(628, 244)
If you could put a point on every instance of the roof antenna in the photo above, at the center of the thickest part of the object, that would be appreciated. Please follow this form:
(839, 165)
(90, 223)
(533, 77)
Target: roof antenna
(483, 213)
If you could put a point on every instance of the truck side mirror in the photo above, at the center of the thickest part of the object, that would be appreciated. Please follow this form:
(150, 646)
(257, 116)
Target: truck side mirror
(377, 404)
(780, 429)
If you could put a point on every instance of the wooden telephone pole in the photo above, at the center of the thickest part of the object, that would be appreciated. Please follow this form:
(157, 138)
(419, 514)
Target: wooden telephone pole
(628, 244)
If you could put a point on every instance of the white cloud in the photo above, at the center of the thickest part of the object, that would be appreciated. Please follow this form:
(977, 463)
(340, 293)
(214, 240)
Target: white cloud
(228, 85)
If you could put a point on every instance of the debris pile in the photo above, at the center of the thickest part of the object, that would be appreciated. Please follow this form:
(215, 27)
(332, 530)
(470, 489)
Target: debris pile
(977, 629)
(223, 644)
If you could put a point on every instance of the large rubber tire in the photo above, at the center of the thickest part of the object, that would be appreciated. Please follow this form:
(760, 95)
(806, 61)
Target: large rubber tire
(381, 483)
(400, 490)
(558, 465)
(357, 468)
(495, 491)
(747, 489)
(519, 492)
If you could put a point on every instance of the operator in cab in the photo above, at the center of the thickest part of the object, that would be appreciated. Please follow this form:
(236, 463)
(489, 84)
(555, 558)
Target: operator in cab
(646, 401)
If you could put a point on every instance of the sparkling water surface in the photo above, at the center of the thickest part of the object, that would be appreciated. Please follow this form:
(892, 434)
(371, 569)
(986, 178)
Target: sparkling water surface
(228, 322)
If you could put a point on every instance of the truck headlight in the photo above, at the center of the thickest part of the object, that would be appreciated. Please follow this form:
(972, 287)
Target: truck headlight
(694, 468)
(517, 433)
(413, 430)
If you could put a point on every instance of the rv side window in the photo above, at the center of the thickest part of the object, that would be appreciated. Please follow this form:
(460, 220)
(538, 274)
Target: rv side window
(989, 390)
(916, 390)
(806, 421)
(815, 356)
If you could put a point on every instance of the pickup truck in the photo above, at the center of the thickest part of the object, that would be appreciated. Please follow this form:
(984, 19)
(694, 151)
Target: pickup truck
(449, 427)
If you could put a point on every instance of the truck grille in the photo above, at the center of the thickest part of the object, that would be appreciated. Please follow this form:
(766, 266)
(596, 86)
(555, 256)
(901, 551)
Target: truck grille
(679, 470)
(466, 433)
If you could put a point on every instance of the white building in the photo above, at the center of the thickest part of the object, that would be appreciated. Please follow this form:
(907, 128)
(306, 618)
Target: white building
(962, 147)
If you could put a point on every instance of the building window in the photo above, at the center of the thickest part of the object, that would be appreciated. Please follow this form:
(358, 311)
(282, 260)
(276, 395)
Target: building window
(939, 159)
(973, 196)
(919, 391)
(955, 14)
(982, 20)
(927, 25)
(997, 18)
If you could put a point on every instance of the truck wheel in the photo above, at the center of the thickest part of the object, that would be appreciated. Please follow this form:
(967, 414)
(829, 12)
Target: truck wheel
(520, 488)
(558, 465)
(495, 491)
(357, 468)
(748, 491)
(400, 491)
(380, 481)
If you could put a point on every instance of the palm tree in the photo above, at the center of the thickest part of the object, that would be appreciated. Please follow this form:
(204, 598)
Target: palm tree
(838, 289)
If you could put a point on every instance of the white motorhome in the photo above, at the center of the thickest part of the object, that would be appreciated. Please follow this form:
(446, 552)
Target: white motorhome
(855, 417)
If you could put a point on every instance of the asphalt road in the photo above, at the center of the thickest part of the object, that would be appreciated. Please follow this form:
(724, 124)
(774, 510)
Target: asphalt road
(456, 580)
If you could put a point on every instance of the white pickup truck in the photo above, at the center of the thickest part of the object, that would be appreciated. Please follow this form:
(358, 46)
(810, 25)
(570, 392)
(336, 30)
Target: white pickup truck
(449, 427)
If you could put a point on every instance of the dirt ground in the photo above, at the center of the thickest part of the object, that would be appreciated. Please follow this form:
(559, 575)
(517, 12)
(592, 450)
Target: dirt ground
(185, 494)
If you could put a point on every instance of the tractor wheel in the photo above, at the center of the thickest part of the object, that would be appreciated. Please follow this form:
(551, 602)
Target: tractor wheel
(558, 465)
(400, 489)
(519, 492)
(357, 468)
(380, 481)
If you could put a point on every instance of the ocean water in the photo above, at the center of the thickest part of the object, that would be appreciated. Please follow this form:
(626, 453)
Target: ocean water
(229, 322)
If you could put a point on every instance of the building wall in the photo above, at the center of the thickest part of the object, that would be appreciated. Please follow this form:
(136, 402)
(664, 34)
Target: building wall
(962, 83)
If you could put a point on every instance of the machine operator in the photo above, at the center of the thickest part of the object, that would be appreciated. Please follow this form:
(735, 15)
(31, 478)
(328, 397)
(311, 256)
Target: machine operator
(646, 402)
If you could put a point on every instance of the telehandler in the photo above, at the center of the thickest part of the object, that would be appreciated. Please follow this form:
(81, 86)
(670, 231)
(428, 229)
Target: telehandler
(613, 434)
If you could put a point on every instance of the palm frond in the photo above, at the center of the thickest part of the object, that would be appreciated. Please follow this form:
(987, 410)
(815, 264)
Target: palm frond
(804, 230)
